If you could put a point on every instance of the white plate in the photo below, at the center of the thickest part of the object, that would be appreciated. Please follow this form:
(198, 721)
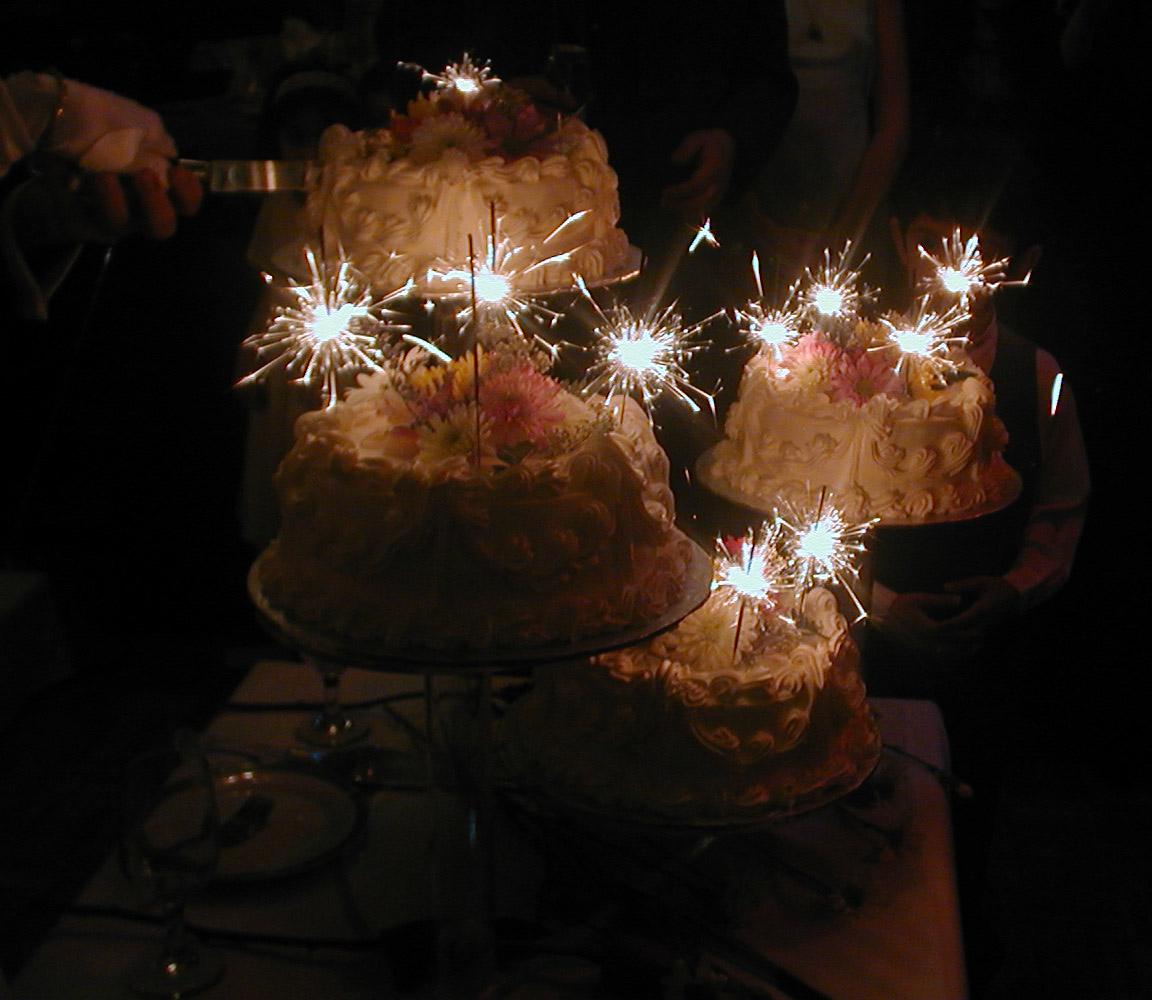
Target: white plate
(308, 821)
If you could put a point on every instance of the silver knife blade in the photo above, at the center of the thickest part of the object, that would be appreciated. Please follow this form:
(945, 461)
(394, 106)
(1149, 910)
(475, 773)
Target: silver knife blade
(253, 176)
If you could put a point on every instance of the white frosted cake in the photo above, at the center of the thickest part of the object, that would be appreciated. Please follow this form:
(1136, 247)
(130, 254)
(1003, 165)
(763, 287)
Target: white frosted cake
(396, 530)
(892, 441)
(695, 727)
(403, 201)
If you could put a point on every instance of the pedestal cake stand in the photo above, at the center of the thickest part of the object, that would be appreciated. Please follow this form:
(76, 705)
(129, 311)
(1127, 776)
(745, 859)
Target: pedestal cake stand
(332, 653)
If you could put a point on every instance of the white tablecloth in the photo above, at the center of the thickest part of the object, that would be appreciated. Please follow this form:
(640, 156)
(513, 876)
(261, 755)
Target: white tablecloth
(901, 941)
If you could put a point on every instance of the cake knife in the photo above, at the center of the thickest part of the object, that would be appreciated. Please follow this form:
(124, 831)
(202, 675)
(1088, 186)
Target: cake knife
(253, 176)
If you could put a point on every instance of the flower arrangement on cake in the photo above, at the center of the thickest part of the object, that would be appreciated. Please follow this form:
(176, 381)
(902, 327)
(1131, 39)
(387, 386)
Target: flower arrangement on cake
(486, 119)
(471, 414)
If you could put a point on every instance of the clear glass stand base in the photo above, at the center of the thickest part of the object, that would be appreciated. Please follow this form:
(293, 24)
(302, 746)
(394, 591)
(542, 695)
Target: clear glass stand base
(323, 730)
(183, 972)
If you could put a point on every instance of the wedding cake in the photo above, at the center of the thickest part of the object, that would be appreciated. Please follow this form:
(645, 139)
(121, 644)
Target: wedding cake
(412, 201)
(428, 512)
(700, 726)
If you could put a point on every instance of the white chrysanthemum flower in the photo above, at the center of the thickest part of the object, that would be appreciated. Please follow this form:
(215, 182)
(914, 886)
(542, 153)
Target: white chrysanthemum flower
(451, 436)
(704, 640)
(442, 133)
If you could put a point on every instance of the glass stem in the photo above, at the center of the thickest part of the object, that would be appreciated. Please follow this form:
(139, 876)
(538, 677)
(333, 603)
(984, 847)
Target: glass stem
(331, 679)
(174, 949)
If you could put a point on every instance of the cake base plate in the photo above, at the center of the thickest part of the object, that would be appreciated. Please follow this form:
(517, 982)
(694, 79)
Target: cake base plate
(708, 478)
(706, 822)
(338, 649)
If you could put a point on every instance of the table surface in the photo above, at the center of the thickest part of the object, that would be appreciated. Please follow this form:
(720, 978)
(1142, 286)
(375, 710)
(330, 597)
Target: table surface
(901, 939)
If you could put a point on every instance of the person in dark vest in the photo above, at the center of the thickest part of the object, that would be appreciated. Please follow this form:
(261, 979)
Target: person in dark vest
(958, 611)
(948, 597)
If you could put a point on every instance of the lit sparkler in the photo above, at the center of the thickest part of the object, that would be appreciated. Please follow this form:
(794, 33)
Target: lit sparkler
(500, 286)
(834, 291)
(753, 570)
(465, 77)
(770, 328)
(824, 547)
(960, 269)
(644, 354)
(926, 338)
(751, 573)
(333, 326)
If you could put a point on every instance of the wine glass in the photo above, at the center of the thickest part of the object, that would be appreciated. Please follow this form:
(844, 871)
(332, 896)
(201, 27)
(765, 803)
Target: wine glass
(332, 726)
(170, 847)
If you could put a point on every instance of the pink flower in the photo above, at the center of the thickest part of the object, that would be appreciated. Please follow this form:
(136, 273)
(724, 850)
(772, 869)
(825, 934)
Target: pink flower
(811, 361)
(860, 375)
(516, 128)
(520, 405)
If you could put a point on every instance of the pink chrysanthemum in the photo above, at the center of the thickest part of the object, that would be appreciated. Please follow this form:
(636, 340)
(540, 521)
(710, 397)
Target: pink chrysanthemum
(811, 361)
(860, 375)
(520, 405)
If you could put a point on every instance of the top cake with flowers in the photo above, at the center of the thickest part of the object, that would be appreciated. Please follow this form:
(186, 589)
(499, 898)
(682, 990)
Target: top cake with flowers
(416, 200)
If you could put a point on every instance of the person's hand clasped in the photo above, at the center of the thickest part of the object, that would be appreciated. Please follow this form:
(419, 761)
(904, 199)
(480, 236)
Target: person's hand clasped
(710, 153)
(953, 625)
(988, 602)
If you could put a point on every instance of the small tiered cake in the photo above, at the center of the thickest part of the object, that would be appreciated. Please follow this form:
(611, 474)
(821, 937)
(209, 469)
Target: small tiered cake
(412, 519)
(697, 726)
(404, 201)
(891, 436)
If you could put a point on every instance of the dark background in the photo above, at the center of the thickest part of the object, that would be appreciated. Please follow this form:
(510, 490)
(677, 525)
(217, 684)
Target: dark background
(125, 433)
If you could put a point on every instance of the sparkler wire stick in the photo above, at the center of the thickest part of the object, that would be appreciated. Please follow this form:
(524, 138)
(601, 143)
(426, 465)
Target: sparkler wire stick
(743, 601)
(475, 348)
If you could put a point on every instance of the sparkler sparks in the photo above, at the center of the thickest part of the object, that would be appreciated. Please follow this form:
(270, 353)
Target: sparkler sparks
(960, 269)
(644, 354)
(503, 282)
(333, 326)
(824, 547)
(770, 328)
(753, 569)
(925, 338)
(465, 77)
(833, 292)
(704, 235)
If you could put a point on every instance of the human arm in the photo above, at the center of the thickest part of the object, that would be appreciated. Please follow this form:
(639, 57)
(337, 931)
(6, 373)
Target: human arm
(1060, 500)
(710, 155)
(968, 611)
(736, 118)
(890, 122)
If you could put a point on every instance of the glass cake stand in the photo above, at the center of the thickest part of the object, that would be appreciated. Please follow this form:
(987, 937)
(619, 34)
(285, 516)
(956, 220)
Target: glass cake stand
(470, 746)
(708, 820)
